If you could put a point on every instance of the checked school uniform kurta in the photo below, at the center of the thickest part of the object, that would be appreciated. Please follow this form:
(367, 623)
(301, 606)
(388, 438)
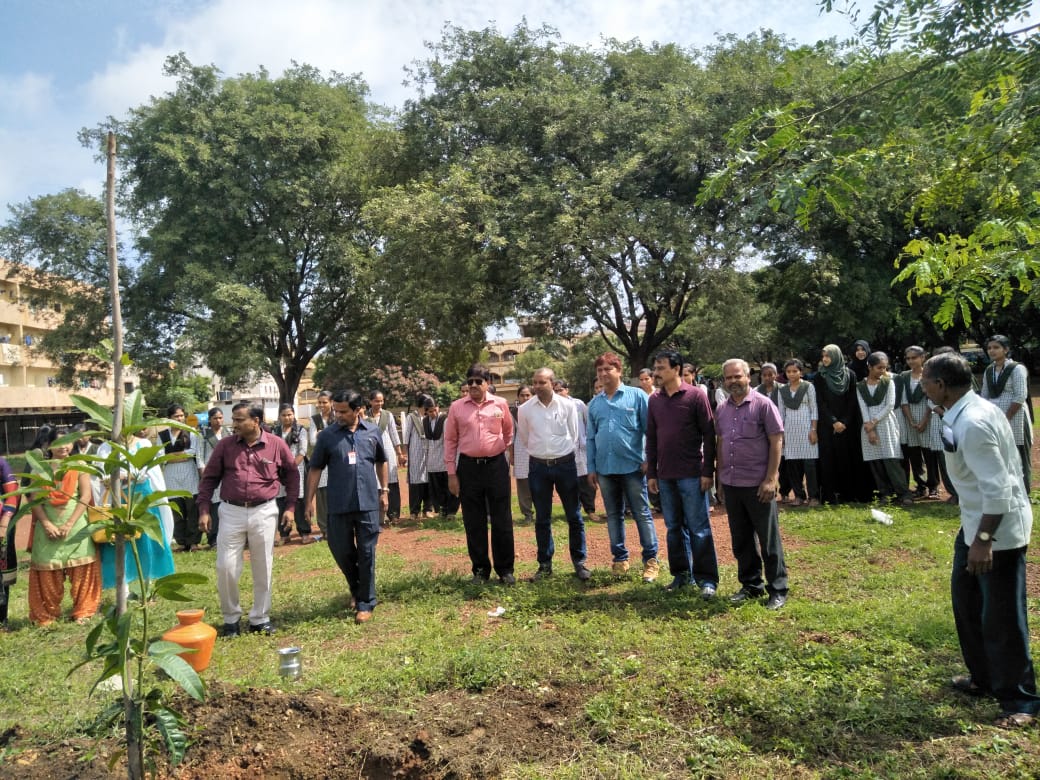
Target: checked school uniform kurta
(798, 423)
(887, 428)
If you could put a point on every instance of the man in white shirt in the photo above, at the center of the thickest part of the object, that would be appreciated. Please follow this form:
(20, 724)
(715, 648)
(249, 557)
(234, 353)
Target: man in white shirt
(547, 425)
(988, 584)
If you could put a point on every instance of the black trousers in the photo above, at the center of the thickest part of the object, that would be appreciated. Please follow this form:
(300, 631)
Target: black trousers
(393, 501)
(484, 494)
(754, 527)
(186, 531)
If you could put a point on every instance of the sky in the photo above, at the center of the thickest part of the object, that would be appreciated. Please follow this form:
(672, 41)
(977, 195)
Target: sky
(69, 64)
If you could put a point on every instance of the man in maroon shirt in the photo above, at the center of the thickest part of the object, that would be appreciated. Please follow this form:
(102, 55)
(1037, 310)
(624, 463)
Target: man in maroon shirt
(248, 467)
(749, 438)
(679, 424)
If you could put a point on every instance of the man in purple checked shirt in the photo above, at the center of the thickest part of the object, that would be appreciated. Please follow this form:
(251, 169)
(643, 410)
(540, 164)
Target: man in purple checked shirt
(749, 440)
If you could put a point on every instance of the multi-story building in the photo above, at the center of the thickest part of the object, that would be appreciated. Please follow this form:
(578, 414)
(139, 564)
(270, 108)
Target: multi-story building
(29, 392)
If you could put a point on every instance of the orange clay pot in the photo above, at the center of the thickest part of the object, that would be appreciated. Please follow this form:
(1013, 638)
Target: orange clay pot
(193, 634)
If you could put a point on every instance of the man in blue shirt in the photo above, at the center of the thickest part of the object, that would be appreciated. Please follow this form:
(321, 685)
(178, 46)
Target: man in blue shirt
(617, 427)
(357, 495)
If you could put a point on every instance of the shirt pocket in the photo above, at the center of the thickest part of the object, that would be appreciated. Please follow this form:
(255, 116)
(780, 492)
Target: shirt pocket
(749, 430)
(493, 424)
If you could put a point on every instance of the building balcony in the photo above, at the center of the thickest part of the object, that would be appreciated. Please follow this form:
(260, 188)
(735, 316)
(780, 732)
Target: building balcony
(21, 400)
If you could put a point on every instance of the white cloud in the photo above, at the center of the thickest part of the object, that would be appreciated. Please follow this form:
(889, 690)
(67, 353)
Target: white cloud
(26, 96)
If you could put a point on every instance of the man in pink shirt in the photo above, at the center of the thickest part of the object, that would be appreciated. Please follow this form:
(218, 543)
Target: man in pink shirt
(477, 433)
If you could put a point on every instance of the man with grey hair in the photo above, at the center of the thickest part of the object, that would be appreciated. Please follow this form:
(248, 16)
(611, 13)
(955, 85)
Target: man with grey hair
(749, 440)
(988, 582)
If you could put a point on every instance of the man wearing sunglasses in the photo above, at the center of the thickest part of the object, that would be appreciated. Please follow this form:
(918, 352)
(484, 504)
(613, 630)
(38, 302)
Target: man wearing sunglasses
(477, 433)
(988, 583)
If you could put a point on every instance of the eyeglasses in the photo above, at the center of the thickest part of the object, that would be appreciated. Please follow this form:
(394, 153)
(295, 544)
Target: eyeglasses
(474, 380)
(948, 441)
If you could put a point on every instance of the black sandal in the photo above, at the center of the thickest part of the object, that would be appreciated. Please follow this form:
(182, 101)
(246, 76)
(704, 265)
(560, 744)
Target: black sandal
(964, 684)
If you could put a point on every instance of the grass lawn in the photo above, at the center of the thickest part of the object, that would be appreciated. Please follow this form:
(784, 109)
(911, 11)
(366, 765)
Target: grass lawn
(850, 679)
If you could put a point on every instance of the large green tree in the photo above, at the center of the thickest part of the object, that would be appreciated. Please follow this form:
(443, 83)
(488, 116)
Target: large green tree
(574, 171)
(58, 243)
(247, 193)
(932, 134)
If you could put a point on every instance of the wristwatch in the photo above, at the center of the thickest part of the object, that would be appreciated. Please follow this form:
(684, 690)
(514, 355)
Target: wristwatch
(984, 536)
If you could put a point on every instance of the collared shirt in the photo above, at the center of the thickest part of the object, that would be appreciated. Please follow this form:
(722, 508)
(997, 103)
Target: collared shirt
(617, 427)
(351, 458)
(249, 472)
(678, 426)
(478, 430)
(986, 469)
(548, 430)
(745, 429)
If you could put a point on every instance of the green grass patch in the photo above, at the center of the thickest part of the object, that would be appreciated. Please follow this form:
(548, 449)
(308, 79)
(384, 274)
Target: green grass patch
(848, 680)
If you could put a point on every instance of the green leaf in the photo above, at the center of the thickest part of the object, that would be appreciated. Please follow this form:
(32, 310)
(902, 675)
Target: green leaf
(98, 414)
(161, 647)
(171, 727)
(180, 671)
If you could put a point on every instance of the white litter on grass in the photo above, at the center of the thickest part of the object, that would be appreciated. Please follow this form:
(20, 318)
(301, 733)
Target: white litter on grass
(114, 683)
(497, 612)
(882, 517)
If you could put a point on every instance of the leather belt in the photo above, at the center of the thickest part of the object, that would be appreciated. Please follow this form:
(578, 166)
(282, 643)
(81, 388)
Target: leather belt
(481, 461)
(247, 504)
(552, 461)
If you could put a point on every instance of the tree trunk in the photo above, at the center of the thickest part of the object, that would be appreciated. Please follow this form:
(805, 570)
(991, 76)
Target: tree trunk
(134, 743)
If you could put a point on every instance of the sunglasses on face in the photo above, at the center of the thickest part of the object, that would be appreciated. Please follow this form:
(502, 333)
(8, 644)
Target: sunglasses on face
(948, 441)
(475, 380)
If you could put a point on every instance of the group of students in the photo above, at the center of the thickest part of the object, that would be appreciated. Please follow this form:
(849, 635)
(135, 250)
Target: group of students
(856, 431)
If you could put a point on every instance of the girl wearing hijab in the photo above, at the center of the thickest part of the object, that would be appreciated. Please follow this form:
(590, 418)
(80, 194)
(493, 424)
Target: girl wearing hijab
(843, 475)
(858, 362)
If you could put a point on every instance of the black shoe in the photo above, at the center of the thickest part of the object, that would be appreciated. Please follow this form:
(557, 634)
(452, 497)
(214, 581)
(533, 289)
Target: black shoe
(230, 630)
(677, 584)
(543, 573)
(264, 628)
(478, 579)
(507, 579)
(581, 571)
(776, 601)
(745, 594)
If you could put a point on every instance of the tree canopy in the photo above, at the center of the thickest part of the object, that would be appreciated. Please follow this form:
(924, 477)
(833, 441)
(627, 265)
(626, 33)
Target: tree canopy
(247, 193)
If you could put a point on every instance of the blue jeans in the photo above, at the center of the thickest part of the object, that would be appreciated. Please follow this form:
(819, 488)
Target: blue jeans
(352, 538)
(632, 489)
(990, 613)
(542, 479)
(691, 547)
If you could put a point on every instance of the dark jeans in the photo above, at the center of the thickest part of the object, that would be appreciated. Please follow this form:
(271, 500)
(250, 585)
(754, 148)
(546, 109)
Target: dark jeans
(303, 525)
(990, 613)
(542, 479)
(186, 531)
(754, 527)
(617, 491)
(484, 493)
(352, 538)
(691, 546)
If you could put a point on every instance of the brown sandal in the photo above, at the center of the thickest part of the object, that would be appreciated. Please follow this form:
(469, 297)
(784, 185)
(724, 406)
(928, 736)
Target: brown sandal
(1014, 720)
